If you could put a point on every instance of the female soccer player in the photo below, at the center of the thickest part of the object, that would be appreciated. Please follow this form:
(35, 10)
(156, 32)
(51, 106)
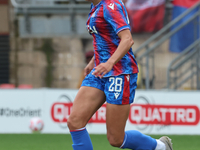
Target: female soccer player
(111, 77)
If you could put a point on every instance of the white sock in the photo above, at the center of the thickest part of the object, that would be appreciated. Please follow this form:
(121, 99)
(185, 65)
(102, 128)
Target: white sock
(160, 145)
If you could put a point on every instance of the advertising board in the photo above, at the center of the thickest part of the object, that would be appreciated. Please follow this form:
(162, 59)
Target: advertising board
(153, 112)
(17, 107)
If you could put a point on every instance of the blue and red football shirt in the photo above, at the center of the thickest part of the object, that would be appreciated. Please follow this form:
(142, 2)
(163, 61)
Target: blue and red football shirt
(105, 21)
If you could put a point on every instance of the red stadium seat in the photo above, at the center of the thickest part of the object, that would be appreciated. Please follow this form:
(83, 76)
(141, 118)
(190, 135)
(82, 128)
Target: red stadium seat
(7, 86)
(25, 86)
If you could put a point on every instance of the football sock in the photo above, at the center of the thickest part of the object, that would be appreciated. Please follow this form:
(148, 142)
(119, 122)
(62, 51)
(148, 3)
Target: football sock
(134, 139)
(81, 139)
(160, 145)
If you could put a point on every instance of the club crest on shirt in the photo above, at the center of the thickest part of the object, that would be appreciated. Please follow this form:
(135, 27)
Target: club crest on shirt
(111, 5)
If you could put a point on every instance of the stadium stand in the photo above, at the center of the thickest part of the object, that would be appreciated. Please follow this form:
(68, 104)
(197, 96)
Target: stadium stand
(56, 18)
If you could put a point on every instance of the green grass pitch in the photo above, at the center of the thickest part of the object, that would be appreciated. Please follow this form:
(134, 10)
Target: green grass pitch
(63, 142)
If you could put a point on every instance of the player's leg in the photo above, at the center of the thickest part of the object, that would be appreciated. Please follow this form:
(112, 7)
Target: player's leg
(120, 92)
(116, 116)
(87, 102)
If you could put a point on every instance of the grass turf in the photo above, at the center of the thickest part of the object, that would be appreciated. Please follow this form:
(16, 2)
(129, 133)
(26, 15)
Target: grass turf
(63, 142)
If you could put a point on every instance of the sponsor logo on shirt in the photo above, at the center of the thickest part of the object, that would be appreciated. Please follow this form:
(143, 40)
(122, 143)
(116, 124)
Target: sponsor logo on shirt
(91, 29)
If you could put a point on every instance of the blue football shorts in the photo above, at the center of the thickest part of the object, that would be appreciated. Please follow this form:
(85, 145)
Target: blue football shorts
(119, 90)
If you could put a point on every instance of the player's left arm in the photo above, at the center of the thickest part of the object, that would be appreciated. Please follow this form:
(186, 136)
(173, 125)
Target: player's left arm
(123, 47)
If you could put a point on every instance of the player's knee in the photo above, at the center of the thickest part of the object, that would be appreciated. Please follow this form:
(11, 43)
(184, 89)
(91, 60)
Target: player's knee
(115, 141)
(70, 123)
(74, 123)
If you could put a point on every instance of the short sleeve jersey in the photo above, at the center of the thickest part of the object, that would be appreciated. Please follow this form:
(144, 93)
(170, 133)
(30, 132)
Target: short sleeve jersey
(105, 21)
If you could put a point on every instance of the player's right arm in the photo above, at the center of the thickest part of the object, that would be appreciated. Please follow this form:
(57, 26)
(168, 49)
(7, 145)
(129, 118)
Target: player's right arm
(89, 67)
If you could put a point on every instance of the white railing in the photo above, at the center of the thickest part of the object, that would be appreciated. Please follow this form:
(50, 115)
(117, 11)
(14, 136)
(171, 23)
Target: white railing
(42, 3)
(50, 6)
(29, 9)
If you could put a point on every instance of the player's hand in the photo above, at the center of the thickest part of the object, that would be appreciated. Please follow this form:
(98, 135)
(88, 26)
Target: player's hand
(102, 69)
(88, 69)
